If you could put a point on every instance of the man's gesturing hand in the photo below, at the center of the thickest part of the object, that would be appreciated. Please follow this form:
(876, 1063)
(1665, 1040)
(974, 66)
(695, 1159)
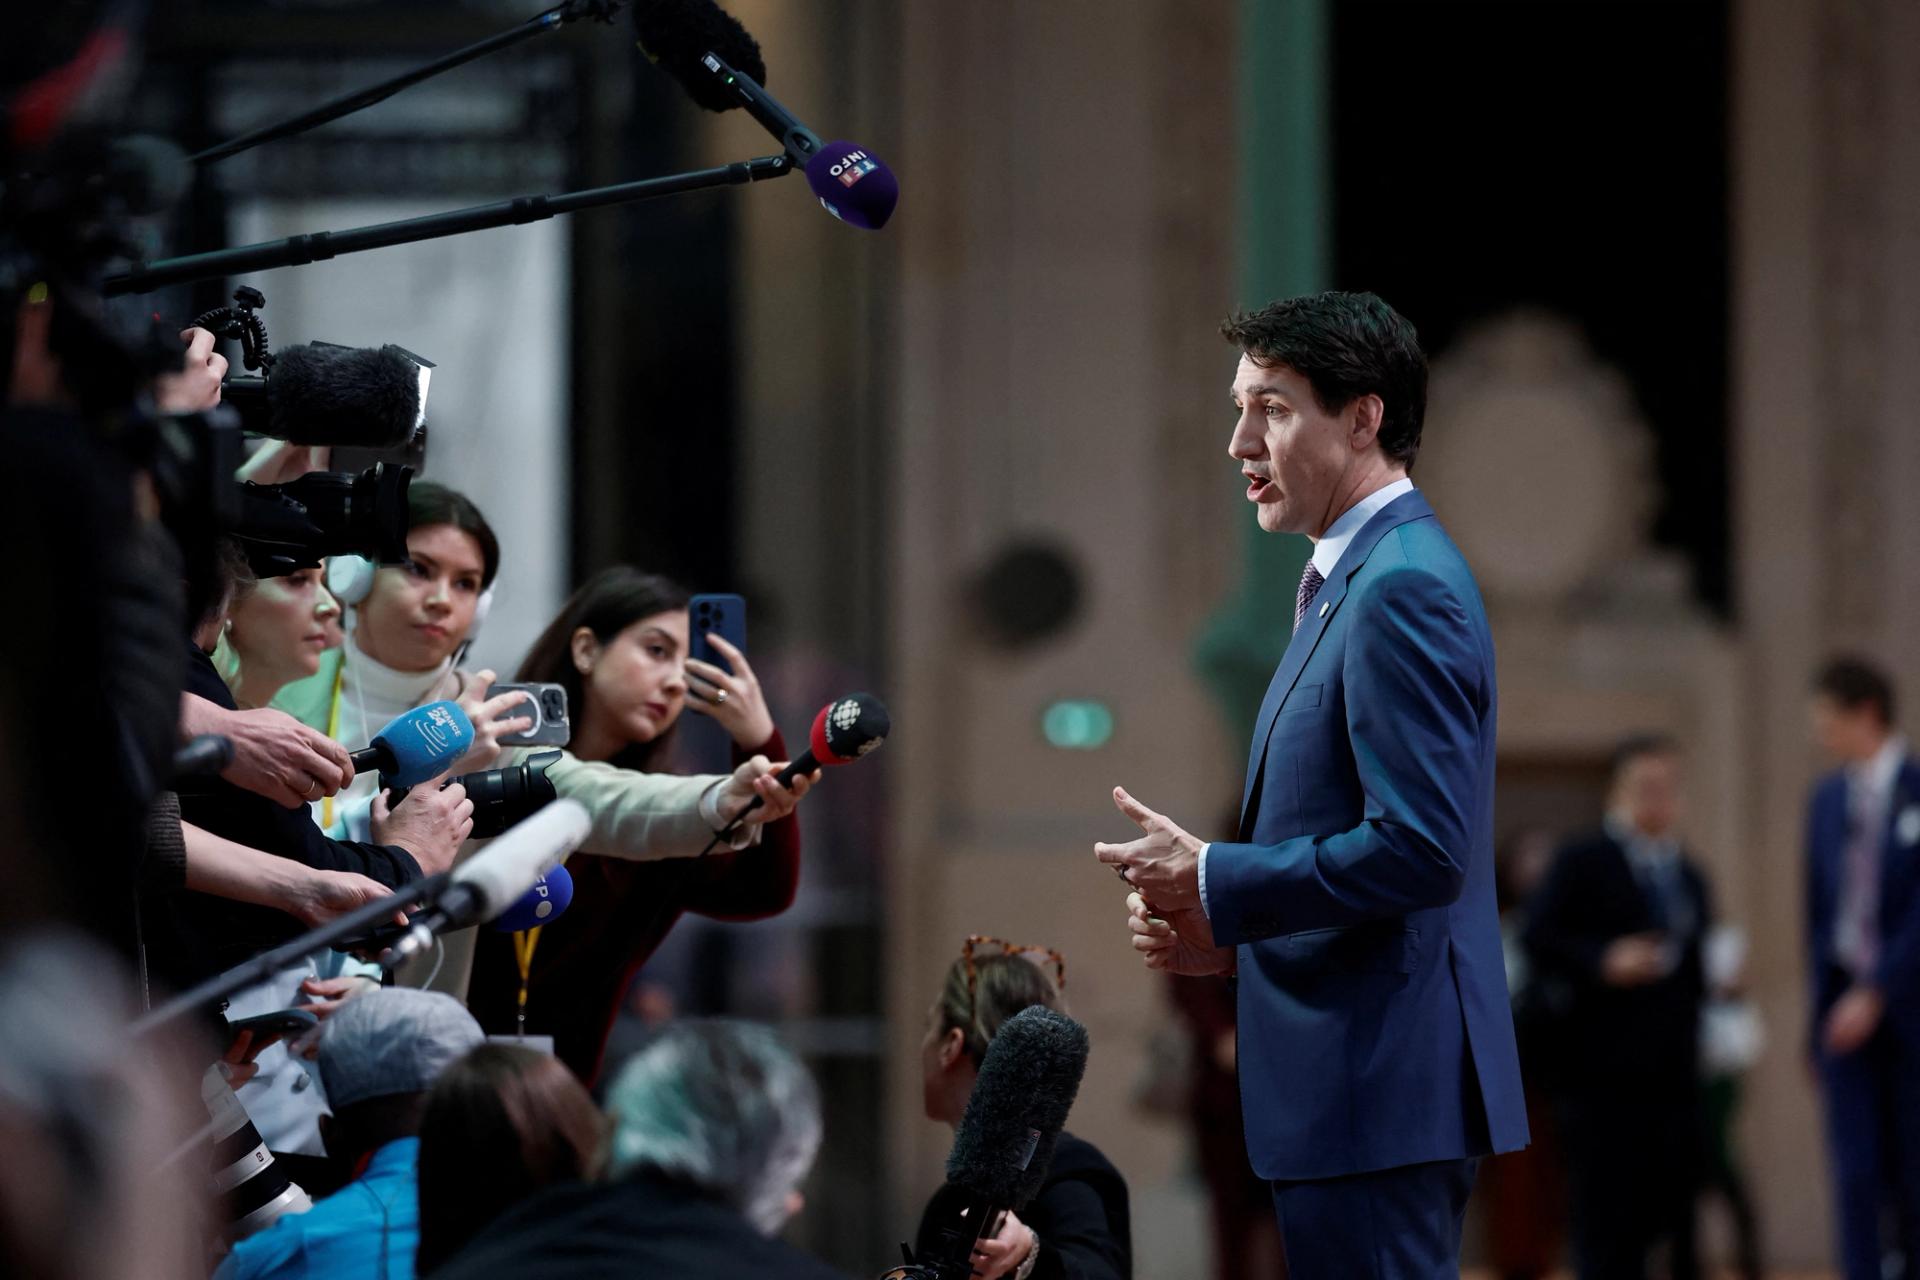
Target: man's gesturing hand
(1181, 942)
(1163, 864)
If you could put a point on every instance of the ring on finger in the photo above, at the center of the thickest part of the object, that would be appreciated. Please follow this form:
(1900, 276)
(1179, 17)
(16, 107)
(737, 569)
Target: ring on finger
(313, 788)
(719, 695)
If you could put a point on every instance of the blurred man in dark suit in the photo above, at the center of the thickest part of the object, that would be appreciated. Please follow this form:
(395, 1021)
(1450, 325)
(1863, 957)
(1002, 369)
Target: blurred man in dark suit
(1863, 934)
(1618, 922)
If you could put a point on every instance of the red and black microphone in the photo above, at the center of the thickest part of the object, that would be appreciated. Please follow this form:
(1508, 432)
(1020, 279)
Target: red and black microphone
(845, 730)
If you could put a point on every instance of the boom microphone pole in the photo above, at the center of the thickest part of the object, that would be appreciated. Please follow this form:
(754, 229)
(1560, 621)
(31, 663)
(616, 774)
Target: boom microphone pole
(320, 245)
(361, 919)
(348, 103)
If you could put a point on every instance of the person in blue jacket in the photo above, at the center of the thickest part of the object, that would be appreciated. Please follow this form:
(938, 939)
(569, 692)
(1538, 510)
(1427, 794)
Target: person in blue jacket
(1355, 907)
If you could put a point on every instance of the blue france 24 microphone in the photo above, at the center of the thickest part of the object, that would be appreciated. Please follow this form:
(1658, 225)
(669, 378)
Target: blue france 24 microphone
(419, 744)
(719, 65)
(551, 895)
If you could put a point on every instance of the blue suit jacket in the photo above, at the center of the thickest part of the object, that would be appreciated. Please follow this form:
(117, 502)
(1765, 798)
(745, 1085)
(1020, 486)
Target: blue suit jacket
(1374, 1025)
(1898, 971)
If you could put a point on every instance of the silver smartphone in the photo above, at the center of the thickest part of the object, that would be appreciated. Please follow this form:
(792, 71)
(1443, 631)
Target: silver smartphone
(547, 704)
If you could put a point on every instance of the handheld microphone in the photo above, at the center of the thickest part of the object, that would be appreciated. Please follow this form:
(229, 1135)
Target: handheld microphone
(419, 744)
(206, 754)
(551, 895)
(322, 394)
(1004, 1143)
(845, 730)
(720, 66)
(494, 879)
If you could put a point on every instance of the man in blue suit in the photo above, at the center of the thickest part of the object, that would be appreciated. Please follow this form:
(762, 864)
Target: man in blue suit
(1863, 935)
(1356, 907)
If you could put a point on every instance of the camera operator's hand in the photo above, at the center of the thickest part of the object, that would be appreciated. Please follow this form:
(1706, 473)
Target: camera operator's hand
(487, 730)
(430, 823)
(733, 698)
(281, 461)
(756, 778)
(273, 753)
(197, 385)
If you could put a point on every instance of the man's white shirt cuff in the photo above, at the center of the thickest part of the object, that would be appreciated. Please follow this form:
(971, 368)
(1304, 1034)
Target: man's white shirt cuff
(1204, 909)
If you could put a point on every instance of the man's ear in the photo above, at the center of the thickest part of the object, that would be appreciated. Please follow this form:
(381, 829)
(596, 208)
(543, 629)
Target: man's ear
(1369, 410)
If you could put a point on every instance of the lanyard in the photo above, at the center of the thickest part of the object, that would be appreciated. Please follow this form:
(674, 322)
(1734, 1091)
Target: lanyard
(524, 941)
(333, 731)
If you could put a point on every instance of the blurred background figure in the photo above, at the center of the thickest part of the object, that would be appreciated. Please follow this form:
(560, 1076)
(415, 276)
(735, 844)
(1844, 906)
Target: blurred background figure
(715, 1126)
(1863, 934)
(379, 1055)
(1523, 1193)
(87, 1121)
(1619, 919)
(500, 1124)
(1077, 1224)
(1731, 1039)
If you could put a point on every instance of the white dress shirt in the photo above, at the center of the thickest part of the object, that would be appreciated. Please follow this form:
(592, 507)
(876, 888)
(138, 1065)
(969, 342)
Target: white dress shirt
(1328, 549)
(1856, 934)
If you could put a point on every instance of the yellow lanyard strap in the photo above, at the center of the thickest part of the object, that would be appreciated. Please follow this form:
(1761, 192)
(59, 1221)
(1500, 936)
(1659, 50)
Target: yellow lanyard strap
(524, 941)
(333, 731)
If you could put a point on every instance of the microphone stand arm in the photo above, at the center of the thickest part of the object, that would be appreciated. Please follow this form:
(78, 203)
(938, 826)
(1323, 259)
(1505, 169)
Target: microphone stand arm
(320, 245)
(348, 103)
(360, 920)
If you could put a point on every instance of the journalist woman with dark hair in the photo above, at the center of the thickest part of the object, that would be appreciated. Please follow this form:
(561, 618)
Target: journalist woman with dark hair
(1077, 1226)
(619, 646)
(499, 1125)
(409, 624)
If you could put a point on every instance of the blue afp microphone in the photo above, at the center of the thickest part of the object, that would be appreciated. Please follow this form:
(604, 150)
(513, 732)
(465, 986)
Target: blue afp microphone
(551, 894)
(422, 743)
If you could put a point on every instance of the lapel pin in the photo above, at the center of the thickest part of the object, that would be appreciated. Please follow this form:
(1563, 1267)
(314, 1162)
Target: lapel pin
(1324, 606)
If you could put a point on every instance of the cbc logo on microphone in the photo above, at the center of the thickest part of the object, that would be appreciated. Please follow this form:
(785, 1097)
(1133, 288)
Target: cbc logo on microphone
(856, 166)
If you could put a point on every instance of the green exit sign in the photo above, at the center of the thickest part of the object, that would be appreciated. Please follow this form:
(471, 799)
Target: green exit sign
(1077, 724)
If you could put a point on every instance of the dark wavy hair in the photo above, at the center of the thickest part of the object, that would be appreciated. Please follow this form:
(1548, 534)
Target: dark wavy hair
(1346, 345)
(498, 1125)
(606, 604)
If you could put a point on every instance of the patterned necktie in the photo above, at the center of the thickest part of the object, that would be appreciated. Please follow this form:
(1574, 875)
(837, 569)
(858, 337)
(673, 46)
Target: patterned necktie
(1310, 584)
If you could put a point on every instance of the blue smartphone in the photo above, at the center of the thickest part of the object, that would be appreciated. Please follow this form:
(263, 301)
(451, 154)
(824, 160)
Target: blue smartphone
(706, 746)
(722, 613)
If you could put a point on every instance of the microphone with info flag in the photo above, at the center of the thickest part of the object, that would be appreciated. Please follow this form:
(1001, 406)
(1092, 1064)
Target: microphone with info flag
(720, 66)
